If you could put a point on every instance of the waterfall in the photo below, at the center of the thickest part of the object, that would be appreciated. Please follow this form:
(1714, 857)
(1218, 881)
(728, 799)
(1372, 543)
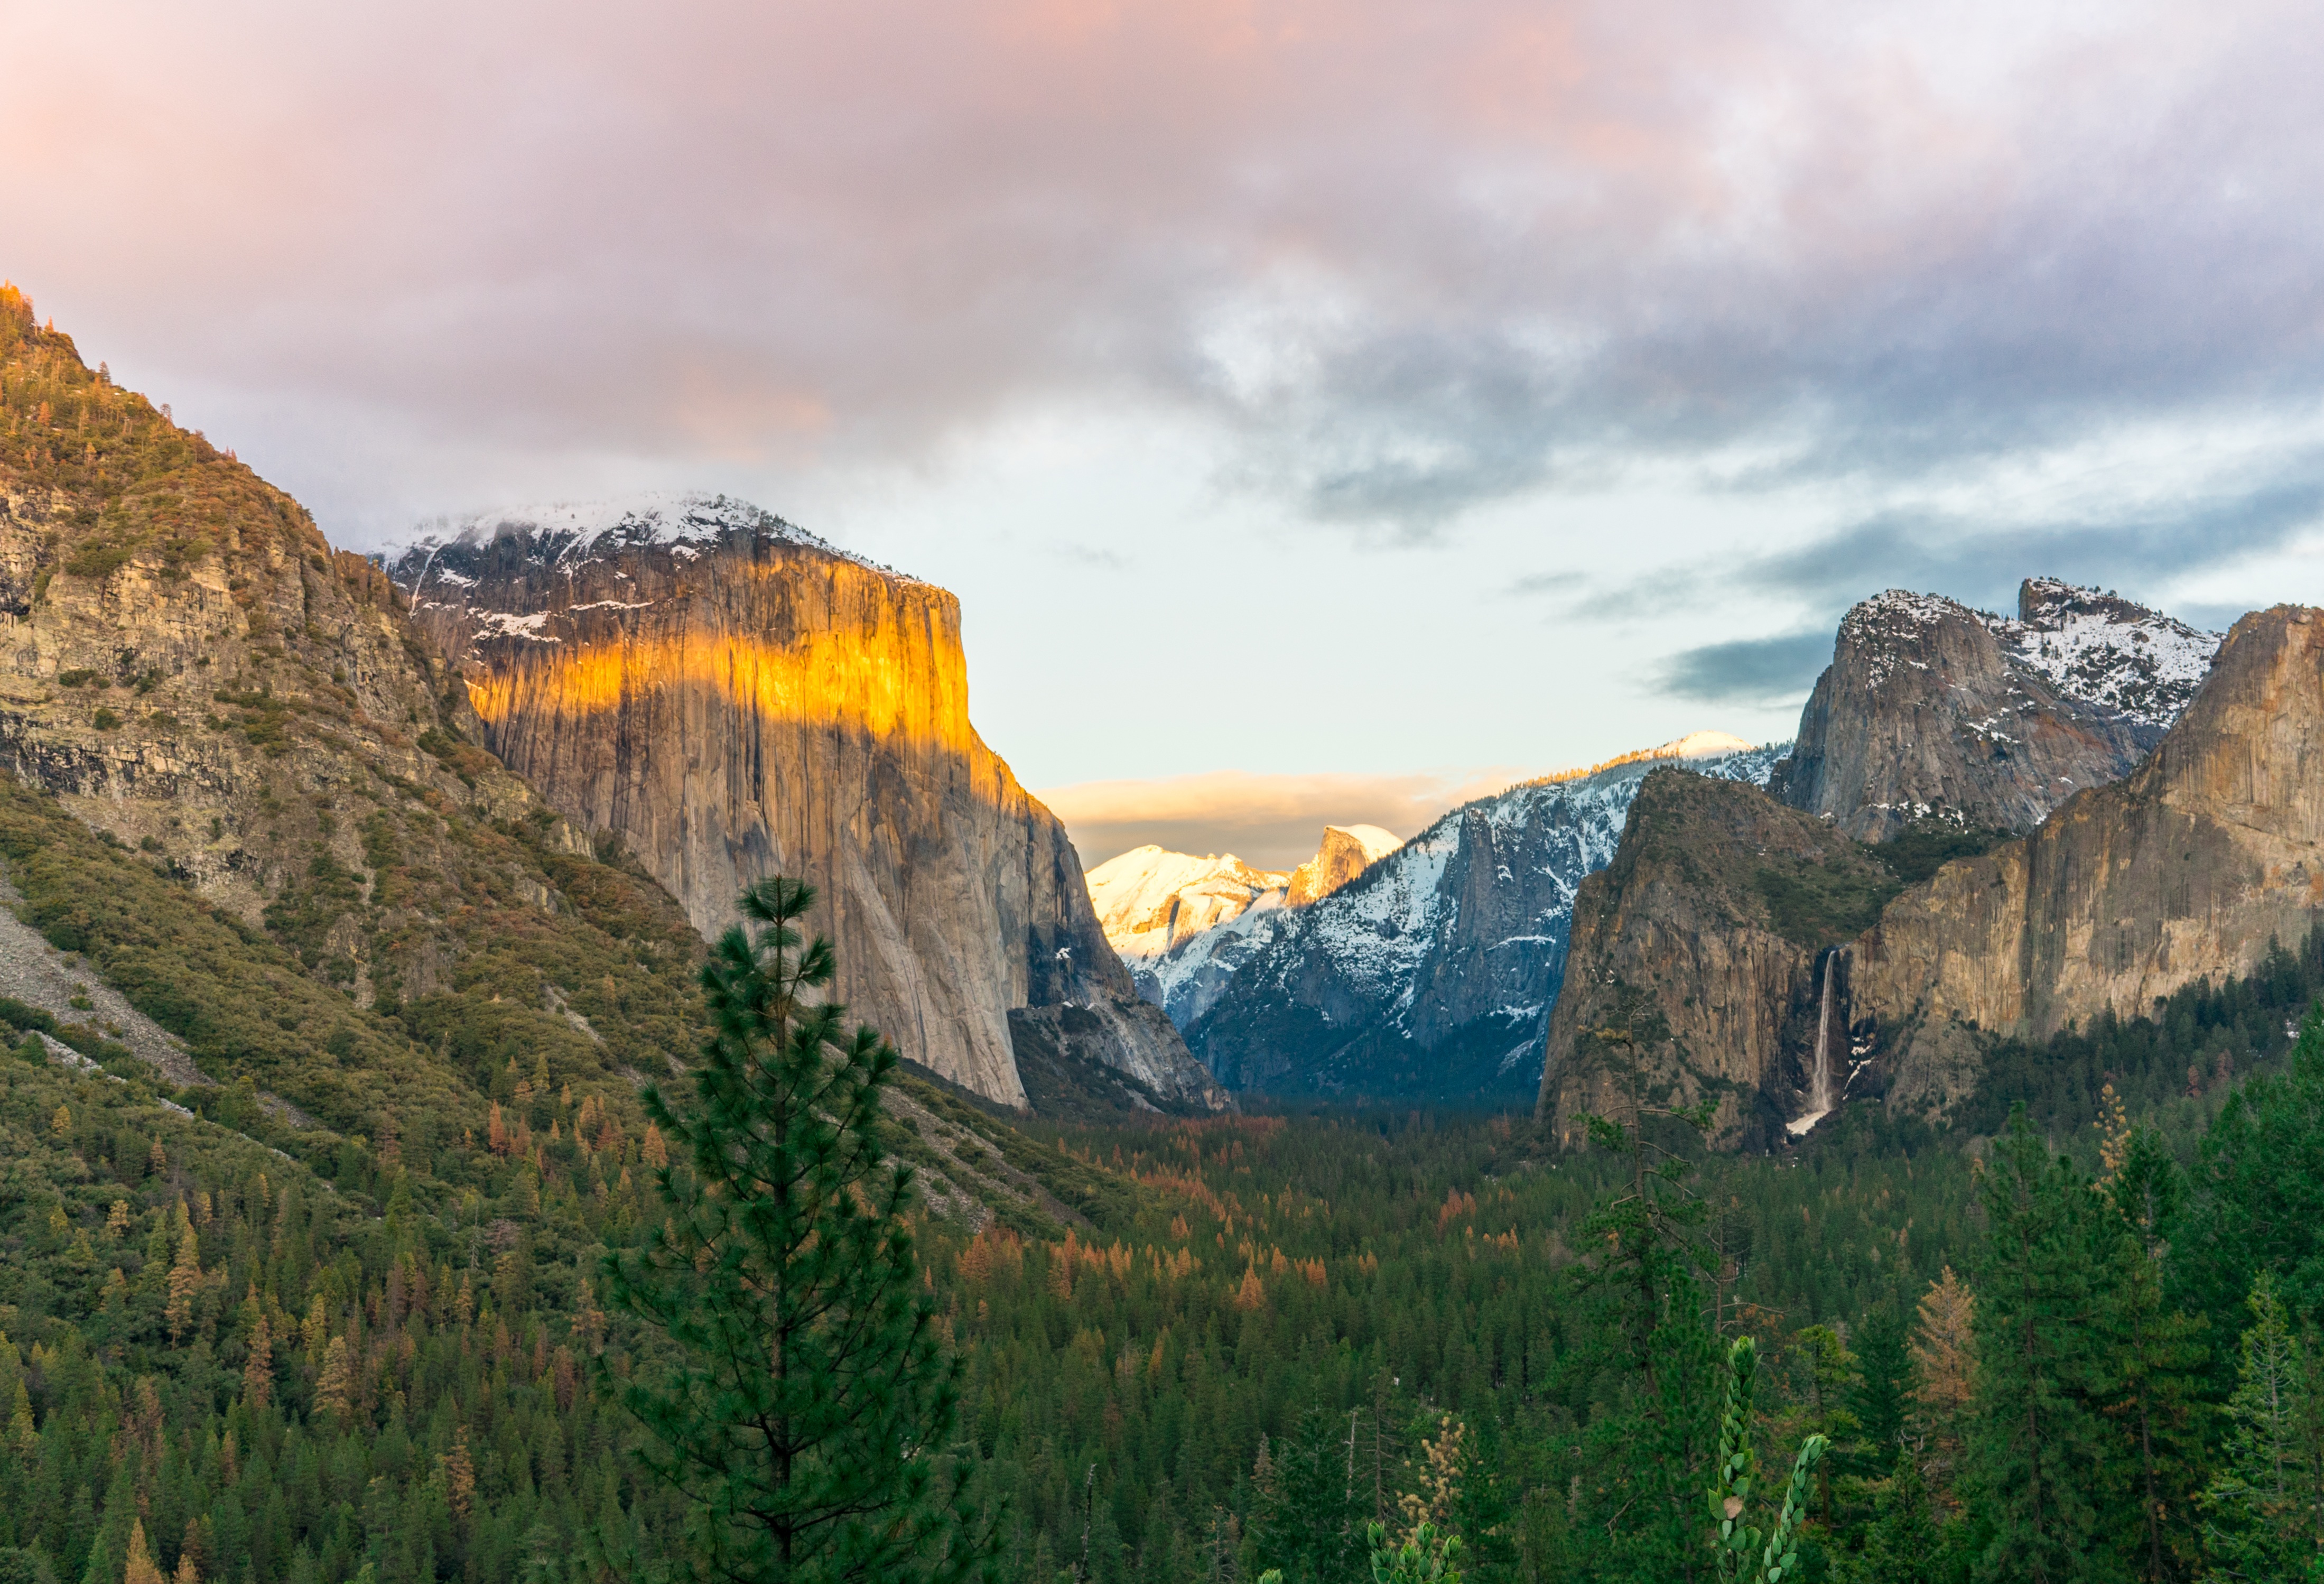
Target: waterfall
(1820, 1094)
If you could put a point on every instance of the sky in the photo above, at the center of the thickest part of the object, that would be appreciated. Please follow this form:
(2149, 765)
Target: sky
(1323, 411)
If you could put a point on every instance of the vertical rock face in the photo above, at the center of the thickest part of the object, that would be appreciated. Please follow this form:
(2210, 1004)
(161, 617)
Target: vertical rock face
(1711, 929)
(736, 699)
(1929, 707)
(2187, 869)
(1347, 851)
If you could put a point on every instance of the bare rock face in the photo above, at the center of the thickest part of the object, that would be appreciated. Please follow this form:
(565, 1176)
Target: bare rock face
(1711, 938)
(2189, 868)
(1346, 852)
(1931, 707)
(736, 699)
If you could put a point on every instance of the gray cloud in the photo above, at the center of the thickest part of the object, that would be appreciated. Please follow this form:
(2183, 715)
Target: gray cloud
(1409, 264)
(1752, 670)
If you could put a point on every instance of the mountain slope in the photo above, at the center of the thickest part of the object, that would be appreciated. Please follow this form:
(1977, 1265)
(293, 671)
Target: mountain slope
(1430, 972)
(733, 698)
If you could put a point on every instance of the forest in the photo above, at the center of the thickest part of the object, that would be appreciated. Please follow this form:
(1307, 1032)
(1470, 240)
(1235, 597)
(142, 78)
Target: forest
(2081, 1345)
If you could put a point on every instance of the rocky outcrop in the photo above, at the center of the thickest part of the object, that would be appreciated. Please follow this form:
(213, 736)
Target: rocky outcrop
(2188, 869)
(1710, 942)
(2193, 867)
(733, 699)
(1428, 976)
(1928, 710)
(1345, 852)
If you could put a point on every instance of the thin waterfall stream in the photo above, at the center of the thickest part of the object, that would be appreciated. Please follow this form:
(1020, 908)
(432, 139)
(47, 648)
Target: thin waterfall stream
(1819, 1101)
(1820, 1094)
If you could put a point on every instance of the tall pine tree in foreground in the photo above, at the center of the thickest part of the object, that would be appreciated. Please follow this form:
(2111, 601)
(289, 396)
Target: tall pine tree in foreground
(808, 1414)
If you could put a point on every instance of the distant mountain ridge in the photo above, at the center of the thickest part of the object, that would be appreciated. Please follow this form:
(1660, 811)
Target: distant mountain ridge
(1182, 923)
(1429, 973)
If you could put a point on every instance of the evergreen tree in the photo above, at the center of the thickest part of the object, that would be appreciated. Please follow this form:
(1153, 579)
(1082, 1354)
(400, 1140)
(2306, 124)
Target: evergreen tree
(1902, 1545)
(2264, 1510)
(808, 1410)
(1881, 1393)
(1644, 1351)
(2154, 1361)
(1309, 1520)
(2037, 1452)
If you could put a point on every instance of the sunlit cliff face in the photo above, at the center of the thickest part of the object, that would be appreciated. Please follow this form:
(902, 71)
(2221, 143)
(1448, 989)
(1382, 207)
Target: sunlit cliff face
(900, 677)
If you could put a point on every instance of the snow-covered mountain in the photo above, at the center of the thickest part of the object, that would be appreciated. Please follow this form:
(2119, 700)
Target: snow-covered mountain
(1183, 924)
(2104, 649)
(1931, 707)
(1151, 899)
(1429, 973)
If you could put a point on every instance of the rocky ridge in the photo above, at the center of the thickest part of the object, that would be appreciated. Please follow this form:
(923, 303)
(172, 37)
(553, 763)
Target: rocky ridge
(1930, 708)
(1430, 972)
(2194, 867)
(730, 698)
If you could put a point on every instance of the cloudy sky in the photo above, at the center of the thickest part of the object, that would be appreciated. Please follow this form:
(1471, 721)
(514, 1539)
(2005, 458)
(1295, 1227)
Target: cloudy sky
(1321, 410)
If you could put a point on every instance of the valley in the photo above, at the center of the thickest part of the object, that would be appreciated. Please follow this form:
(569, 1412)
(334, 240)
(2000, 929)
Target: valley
(369, 919)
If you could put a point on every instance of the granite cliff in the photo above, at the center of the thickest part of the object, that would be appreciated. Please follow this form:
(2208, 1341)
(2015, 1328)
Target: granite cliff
(1931, 709)
(733, 698)
(1706, 938)
(2190, 868)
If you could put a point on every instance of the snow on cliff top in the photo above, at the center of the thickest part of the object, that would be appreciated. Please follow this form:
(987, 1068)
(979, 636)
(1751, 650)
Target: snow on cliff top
(2109, 649)
(1376, 843)
(567, 534)
(2095, 647)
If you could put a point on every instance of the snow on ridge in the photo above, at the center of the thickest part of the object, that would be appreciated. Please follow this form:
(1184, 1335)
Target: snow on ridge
(1379, 929)
(567, 535)
(1149, 899)
(2095, 648)
(2107, 651)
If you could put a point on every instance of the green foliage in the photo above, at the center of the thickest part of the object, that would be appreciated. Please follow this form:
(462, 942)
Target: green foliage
(1917, 852)
(1737, 1545)
(813, 1398)
(2264, 1509)
(1425, 1557)
(1821, 905)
